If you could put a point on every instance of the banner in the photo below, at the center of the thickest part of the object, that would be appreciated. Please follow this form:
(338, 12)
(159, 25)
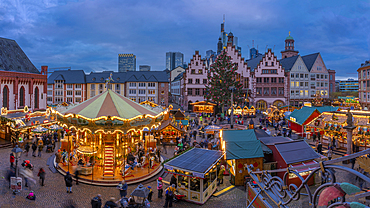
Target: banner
(16, 183)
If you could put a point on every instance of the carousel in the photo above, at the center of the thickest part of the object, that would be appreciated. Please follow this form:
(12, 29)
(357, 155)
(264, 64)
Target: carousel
(109, 138)
(274, 114)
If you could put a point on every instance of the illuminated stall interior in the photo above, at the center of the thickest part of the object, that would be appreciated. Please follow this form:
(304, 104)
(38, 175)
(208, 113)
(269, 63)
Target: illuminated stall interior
(203, 107)
(249, 112)
(170, 131)
(331, 125)
(103, 130)
(274, 114)
(196, 172)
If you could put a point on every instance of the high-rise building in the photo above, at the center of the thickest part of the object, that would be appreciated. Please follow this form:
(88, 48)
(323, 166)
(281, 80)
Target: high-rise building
(126, 62)
(174, 59)
(209, 53)
(144, 68)
(224, 39)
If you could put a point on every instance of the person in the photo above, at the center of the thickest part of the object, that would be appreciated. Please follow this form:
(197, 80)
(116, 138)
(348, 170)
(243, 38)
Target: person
(173, 181)
(40, 149)
(221, 175)
(319, 148)
(110, 203)
(353, 161)
(77, 175)
(330, 153)
(58, 158)
(34, 148)
(160, 187)
(27, 148)
(68, 180)
(169, 196)
(122, 187)
(150, 193)
(31, 196)
(42, 174)
(96, 202)
(11, 160)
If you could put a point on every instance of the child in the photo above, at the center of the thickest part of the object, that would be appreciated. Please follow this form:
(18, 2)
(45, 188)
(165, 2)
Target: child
(150, 194)
(31, 196)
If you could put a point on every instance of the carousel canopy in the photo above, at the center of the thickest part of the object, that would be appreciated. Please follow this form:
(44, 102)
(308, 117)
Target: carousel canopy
(109, 103)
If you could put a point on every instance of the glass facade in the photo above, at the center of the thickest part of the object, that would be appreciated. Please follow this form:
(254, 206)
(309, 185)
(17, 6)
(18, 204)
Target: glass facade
(174, 59)
(126, 62)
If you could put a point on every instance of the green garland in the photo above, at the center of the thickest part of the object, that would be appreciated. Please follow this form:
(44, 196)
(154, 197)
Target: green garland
(5, 120)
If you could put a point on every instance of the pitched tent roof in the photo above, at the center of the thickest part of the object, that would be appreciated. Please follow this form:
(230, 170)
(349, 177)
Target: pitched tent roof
(69, 76)
(296, 151)
(302, 114)
(288, 63)
(327, 109)
(309, 60)
(179, 114)
(166, 123)
(261, 133)
(273, 140)
(239, 135)
(110, 103)
(243, 149)
(197, 160)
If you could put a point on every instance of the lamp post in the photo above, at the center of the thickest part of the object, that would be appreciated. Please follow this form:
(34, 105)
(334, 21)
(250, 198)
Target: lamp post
(232, 88)
(17, 154)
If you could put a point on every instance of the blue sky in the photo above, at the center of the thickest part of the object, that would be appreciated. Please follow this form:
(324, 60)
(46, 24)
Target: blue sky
(90, 34)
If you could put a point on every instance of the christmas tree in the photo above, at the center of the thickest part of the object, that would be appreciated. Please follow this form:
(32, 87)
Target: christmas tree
(221, 77)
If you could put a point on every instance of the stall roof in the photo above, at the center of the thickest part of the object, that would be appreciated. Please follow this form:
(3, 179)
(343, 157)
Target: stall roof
(273, 140)
(239, 135)
(296, 151)
(197, 160)
(243, 149)
(302, 114)
(261, 133)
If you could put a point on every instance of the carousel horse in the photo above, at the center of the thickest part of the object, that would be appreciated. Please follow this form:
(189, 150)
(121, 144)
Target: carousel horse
(126, 169)
(142, 163)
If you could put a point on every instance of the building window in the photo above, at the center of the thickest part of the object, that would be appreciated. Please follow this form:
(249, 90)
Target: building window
(266, 80)
(196, 63)
(132, 92)
(322, 76)
(193, 71)
(69, 100)
(132, 84)
(266, 91)
(292, 92)
(204, 91)
(265, 71)
(273, 71)
(297, 84)
(301, 75)
(36, 97)
(291, 84)
(306, 84)
(319, 68)
(297, 92)
(266, 64)
(292, 75)
(273, 91)
(78, 86)
(331, 87)
(281, 91)
(301, 84)
(151, 84)
(317, 84)
(142, 84)
(306, 92)
(69, 85)
(197, 81)
(142, 92)
(92, 94)
(69, 92)
(259, 80)
(50, 99)
(296, 75)
(204, 81)
(331, 77)
(318, 76)
(78, 93)
(190, 81)
(326, 76)
(50, 93)
(100, 86)
(50, 86)
(190, 91)
(92, 87)
(151, 92)
(200, 71)
(259, 90)
(306, 76)
(273, 79)
(78, 100)
(197, 91)
(272, 63)
(21, 97)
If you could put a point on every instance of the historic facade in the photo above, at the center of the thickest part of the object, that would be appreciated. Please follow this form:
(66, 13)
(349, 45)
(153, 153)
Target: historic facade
(364, 84)
(21, 83)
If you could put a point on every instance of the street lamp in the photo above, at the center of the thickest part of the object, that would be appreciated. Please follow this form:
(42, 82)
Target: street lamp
(17, 154)
(232, 88)
(251, 124)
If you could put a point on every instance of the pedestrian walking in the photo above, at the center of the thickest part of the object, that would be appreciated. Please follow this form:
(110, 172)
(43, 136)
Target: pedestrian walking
(27, 148)
(68, 180)
(110, 203)
(319, 148)
(40, 150)
(41, 175)
(330, 153)
(96, 202)
(169, 196)
(160, 187)
(150, 194)
(122, 187)
(11, 160)
(34, 148)
(77, 175)
(220, 177)
(353, 161)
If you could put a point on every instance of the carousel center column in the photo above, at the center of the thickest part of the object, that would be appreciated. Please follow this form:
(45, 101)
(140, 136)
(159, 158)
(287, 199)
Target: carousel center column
(349, 129)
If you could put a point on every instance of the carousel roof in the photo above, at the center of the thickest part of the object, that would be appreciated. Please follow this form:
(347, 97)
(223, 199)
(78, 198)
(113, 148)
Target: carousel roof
(109, 103)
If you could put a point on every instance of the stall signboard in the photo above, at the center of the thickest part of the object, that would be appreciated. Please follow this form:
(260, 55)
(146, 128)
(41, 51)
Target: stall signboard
(259, 202)
(199, 175)
(16, 183)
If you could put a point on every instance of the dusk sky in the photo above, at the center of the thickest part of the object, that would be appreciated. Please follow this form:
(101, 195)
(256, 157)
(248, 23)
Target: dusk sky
(90, 34)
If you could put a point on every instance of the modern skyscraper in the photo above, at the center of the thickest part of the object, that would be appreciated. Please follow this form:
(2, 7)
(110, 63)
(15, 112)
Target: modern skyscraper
(174, 59)
(126, 62)
(209, 53)
(144, 68)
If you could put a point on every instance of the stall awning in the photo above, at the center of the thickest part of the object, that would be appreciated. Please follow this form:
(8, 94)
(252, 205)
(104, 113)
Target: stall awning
(243, 150)
(296, 151)
(195, 160)
(239, 135)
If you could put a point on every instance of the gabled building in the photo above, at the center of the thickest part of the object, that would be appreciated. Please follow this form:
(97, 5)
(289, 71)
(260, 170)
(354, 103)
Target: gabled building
(364, 84)
(21, 83)
(319, 75)
(177, 89)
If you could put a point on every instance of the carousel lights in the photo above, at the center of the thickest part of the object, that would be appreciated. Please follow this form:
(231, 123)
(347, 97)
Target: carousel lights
(79, 151)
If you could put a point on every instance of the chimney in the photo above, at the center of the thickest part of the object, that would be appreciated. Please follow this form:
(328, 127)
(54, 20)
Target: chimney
(44, 70)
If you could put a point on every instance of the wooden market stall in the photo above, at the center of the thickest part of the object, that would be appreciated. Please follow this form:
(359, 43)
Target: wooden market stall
(169, 131)
(241, 147)
(105, 134)
(274, 114)
(196, 173)
(203, 107)
(330, 125)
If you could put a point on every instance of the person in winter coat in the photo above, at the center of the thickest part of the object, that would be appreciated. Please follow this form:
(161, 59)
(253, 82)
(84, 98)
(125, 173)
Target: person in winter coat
(110, 203)
(173, 181)
(42, 174)
(330, 153)
(27, 148)
(150, 193)
(160, 187)
(11, 160)
(34, 148)
(122, 187)
(221, 175)
(40, 150)
(96, 202)
(169, 196)
(68, 180)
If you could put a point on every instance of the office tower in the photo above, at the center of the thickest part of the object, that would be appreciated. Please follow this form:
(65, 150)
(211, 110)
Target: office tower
(126, 62)
(144, 68)
(174, 59)
(209, 53)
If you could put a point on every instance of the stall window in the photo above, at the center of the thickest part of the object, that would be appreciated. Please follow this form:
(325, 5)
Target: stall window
(183, 181)
(195, 184)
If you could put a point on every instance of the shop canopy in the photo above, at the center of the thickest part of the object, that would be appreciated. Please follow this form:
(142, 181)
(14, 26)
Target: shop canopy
(239, 135)
(112, 104)
(296, 151)
(195, 160)
(243, 149)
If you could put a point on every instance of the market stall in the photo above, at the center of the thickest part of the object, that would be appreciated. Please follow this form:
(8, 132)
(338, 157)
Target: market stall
(274, 114)
(105, 134)
(196, 173)
(169, 131)
(203, 107)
